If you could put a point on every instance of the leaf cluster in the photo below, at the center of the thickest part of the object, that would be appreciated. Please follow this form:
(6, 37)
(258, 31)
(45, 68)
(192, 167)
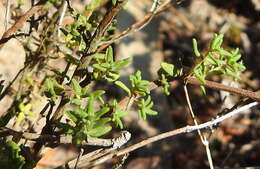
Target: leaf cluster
(86, 120)
(217, 59)
(78, 33)
(105, 66)
(51, 88)
(167, 73)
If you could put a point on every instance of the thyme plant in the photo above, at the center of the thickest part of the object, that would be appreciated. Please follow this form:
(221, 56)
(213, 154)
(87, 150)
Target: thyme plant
(88, 112)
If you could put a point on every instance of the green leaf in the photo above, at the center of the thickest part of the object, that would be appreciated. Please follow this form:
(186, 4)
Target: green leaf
(111, 76)
(99, 131)
(52, 88)
(217, 41)
(72, 116)
(109, 55)
(99, 56)
(101, 112)
(114, 2)
(90, 105)
(124, 87)
(144, 108)
(121, 63)
(76, 87)
(76, 101)
(98, 93)
(195, 47)
(102, 122)
(168, 68)
(139, 86)
(99, 67)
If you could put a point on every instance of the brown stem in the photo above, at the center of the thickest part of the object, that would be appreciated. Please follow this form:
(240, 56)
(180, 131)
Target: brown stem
(219, 86)
(136, 26)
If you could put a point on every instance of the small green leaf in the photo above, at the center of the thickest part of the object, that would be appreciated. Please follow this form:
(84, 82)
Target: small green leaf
(76, 87)
(99, 131)
(217, 41)
(90, 105)
(72, 116)
(112, 76)
(101, 112)
(195, 47)
(124, 87)
(109, 55)
(168, 68)
(114, 2)
(75, 101)
(121, 63)
(99, 67)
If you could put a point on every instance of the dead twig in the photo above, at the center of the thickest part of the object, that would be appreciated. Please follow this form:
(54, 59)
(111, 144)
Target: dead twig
(219, 86)
(139, 24)
(19, 24)
(203, 138)
(7, 13)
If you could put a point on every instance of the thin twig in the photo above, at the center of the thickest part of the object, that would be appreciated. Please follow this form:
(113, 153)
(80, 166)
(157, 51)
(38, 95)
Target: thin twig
(119, 141)
(63, 11)
(67, 139)
(81, 151)
(203, 138)
(208, 152)
(172, 133)
(7, 13)
(191, 111)
(139, 24)
(219, 86)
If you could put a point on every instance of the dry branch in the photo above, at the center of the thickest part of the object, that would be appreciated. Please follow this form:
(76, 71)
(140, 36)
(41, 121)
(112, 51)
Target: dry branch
(19, 24)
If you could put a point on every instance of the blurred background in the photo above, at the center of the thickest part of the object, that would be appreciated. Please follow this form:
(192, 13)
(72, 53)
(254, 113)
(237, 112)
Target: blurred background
(168, 37)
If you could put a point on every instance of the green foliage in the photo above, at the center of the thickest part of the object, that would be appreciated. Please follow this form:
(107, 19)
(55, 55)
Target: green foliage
(114, 2)
(139, 86)
(52, 88)
(144, 108)
(105, 67)
(118, 114)
(86, 119)
(10, 156)
(78, 33)
(217, 60)
(166, 73)
(93, 5)
(124, 87)
(25, 110)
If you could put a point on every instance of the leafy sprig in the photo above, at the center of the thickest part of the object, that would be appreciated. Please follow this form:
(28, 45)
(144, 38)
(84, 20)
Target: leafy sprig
(105, 67)
(145, 108)
(138, 85)
(217, 59)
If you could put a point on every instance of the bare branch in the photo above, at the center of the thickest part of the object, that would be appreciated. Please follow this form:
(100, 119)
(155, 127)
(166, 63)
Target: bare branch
(19, 24)
(63, 11)
(233, 90)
